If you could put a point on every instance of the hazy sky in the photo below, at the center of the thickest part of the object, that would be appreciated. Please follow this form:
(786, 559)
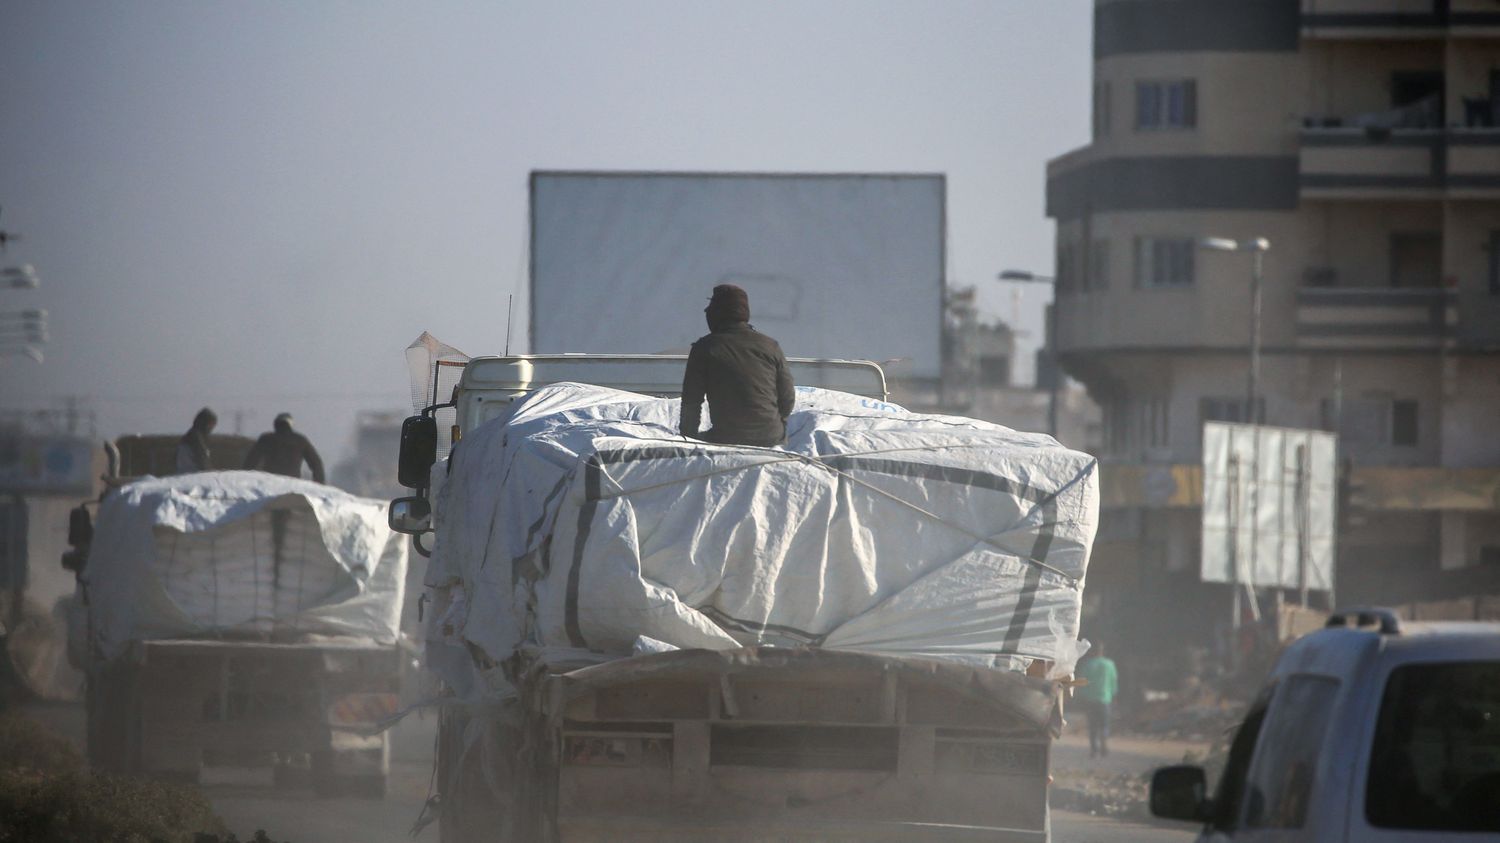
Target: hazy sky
(258, 205)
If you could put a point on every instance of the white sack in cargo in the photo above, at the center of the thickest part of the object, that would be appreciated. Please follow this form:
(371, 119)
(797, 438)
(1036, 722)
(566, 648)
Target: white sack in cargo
(197, 554)
(585, 522)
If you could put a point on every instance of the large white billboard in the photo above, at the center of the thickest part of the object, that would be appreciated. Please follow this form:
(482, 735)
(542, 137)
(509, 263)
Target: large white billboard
(1269, 495)
(847, 266)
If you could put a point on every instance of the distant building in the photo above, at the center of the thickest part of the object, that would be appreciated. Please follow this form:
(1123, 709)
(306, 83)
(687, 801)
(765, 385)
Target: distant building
(1360, 137)
(371, 470)
(978, 381)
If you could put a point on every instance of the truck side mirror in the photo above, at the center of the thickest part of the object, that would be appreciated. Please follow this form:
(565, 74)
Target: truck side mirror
(418, 451)
(80, 527)
(1180, 793)
(412, 516)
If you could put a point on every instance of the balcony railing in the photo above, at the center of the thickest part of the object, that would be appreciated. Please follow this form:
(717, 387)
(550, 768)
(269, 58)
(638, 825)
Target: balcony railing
(1375, 317)
(1411, 489)
(1395, 18)
(1347, 162)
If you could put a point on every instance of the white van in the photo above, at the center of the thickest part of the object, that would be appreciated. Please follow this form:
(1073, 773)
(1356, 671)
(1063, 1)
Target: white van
(1369, 730)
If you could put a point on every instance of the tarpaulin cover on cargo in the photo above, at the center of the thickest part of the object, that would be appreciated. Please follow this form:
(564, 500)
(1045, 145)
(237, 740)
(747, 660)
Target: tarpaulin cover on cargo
(585, 523)
(236, 553)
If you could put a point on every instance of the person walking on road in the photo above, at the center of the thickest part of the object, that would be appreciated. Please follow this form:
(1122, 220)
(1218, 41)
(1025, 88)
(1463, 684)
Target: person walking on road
(1097, 697)
(741, 372)
(283, 450)
(192, 448)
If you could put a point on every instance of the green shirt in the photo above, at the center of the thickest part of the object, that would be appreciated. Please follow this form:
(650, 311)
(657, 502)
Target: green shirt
(1104, 680)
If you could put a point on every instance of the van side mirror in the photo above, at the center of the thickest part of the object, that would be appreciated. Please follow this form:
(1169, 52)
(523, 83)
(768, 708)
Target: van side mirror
(418, 451)
(1180, 793)
(412, 516)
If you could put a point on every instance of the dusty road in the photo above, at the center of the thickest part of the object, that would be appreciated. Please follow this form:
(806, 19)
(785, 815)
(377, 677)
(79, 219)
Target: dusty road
(302, 818)
(247, 801)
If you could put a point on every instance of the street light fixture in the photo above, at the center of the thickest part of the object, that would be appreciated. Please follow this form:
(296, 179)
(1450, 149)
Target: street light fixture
(33, 354)
(1032, 277)
(19, 277)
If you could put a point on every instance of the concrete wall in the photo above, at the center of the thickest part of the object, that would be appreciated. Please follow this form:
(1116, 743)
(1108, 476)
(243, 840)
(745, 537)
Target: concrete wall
(1212, 312)
(1241, 103)
(1471, 413)
(1294, 389)
(1354, 238)
(1468, 65)
(1466, 257)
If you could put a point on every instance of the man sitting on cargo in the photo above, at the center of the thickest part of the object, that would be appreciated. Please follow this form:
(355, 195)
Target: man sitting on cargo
(743, 374)
(192, 448)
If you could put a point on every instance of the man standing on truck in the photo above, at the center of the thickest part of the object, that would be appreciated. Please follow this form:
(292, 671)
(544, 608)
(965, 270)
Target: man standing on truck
(742, 372)
(283, 450)
(192, 448)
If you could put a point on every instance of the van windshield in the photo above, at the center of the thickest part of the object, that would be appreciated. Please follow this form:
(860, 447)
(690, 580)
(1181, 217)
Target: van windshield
(1436, 759)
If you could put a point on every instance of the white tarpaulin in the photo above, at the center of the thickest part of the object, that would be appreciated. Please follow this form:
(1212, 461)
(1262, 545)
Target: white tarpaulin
(241, 552)
(1268, 505)
(584, 522)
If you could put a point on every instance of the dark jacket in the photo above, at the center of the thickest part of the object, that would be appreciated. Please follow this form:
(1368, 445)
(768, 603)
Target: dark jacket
(744, 375)
(282, 452)
(192, 452)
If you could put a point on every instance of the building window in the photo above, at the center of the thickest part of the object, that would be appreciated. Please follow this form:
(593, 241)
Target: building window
(1164, 262)
(1166, 105)
(1101, 109)
(1099, 265)
(1229, 410)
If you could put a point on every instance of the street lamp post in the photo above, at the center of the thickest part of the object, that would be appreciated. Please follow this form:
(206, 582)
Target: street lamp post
(19, 329)
(1056, 370)
(1257, 247)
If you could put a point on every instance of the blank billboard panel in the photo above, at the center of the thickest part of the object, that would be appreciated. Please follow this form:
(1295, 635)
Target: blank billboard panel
(1269, 496)
(844, 266)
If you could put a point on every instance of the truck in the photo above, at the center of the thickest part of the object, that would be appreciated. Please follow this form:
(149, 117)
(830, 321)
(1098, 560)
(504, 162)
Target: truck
(865, 634)
(235, 618)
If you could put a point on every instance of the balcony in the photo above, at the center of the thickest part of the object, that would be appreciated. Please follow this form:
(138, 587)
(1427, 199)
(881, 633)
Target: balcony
(1337, 162)
(1371, 487)
(1375, 317)
(1398, 19)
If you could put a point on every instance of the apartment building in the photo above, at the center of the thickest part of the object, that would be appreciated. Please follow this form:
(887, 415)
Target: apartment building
(1362, 139)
